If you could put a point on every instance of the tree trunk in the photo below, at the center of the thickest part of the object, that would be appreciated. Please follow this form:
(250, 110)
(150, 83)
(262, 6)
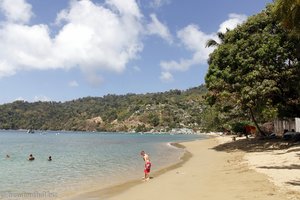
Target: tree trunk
(256, 124)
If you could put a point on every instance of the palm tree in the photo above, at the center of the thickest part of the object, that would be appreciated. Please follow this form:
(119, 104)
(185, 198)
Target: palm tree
(288, 12)
(213, 43)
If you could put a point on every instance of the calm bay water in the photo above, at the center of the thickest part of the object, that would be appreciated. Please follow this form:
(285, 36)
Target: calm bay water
(81, 161)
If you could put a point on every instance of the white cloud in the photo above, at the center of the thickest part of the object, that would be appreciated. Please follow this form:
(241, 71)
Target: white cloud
(166, 77)
(194, 40)
(91, 36)
(5, 68)
(73, 84)
(159, 3)
(41, 98)
(25, 47)
(18, 11)
(232, 22)
(158, 28)
(127, 8)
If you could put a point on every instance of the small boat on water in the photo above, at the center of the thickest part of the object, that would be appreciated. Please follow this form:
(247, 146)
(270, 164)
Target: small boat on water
(30, 131)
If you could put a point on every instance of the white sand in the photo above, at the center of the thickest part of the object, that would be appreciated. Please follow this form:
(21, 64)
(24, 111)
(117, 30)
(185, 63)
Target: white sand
(216, 175)
(209, 175)
(281, 166)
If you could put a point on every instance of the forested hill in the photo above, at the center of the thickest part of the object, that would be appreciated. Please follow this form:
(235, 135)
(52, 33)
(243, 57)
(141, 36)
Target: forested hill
(130, 112)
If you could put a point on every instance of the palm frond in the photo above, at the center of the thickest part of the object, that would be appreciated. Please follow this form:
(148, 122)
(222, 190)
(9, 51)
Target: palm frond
(211, 43)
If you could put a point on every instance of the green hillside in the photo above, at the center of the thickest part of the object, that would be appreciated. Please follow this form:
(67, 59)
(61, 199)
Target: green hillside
(130, 112)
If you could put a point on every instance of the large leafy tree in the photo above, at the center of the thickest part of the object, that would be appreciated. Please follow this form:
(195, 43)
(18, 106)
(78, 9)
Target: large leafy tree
(254, 73)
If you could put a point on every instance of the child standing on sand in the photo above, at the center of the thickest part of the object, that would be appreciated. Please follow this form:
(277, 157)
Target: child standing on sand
(147, 165)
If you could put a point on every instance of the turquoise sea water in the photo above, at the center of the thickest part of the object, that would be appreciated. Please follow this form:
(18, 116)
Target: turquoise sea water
(81, 161)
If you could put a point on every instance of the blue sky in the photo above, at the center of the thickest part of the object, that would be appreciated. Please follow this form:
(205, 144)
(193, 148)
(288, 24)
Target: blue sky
(59, 50)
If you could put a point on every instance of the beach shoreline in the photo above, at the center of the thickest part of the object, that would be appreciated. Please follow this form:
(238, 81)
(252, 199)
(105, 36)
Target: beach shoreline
(116, 189)
(202, 173)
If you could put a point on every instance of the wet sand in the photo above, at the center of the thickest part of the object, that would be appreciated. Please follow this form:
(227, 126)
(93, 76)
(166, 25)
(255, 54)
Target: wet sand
(109, 192)
(203, 173)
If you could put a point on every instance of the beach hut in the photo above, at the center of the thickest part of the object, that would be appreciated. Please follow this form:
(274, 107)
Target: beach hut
(291, 124)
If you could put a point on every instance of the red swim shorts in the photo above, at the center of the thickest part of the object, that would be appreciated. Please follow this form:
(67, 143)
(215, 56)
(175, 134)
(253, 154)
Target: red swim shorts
(147, 167)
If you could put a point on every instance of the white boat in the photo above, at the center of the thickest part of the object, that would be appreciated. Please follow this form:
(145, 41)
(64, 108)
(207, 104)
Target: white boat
(30, 131)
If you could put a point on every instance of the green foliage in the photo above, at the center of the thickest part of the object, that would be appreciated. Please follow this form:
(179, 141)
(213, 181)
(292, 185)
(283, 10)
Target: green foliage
(153, 119)
(211, 120)
(158, 111)
(255, 73)
(141, 128)
(239, 127)
(288, 13)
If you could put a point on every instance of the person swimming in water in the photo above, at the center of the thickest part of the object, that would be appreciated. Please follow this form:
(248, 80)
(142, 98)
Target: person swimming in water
(50, 158)
(31, 158)
(147, 165)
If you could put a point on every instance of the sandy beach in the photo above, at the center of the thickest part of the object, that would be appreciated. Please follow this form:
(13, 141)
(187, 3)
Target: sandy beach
(205, 173)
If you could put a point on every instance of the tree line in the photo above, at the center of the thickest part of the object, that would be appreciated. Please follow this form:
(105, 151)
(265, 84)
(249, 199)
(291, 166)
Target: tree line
(131, 112)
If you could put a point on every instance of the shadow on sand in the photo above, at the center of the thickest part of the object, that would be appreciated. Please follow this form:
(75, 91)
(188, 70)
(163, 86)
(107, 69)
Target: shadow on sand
(257, 145)
(281, 167)
(294, 183)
